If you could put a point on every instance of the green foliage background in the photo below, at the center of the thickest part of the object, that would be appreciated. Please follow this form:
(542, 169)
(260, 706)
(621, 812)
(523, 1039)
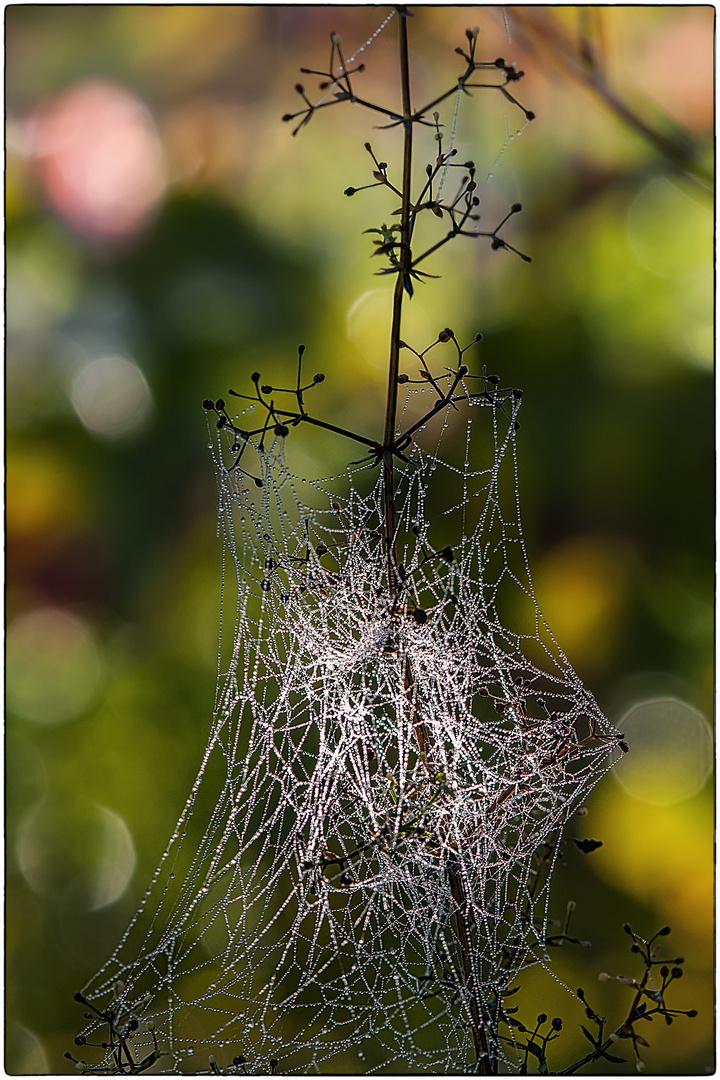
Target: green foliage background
(251, 249)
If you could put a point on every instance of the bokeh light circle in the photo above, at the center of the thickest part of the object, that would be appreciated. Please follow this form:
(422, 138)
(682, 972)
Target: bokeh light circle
(100, 158)
(111, 396)
(86, 854)
(53, 666)
(671, 751)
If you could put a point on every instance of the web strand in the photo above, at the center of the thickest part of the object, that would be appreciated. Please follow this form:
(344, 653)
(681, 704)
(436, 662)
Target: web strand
(303, 911)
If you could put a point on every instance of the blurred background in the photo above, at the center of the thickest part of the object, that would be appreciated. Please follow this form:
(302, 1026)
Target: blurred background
(166, 236)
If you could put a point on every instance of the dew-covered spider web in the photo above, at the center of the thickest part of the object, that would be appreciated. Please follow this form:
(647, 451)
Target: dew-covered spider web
(386, 780)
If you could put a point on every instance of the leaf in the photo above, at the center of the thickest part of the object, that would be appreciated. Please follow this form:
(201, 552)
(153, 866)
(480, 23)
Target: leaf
(534, 1049)
(587, 1035)
(588, 845)
(615, 1060)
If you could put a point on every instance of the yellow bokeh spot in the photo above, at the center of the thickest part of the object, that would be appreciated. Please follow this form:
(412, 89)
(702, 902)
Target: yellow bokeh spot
(579, 587)
(663, 856)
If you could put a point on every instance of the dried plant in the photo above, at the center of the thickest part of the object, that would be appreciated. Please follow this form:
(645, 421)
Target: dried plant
(398, 741)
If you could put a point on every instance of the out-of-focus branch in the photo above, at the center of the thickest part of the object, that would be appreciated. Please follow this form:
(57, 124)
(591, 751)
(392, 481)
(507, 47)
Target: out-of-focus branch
(541, 32)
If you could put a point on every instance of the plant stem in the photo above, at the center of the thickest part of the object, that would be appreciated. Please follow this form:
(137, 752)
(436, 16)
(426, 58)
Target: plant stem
(394, 363)
(485, 1064)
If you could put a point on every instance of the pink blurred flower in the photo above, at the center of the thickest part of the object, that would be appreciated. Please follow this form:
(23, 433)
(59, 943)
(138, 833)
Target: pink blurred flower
(100, 158)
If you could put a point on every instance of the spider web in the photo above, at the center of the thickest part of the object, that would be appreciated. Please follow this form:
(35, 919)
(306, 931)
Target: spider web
(385, 784)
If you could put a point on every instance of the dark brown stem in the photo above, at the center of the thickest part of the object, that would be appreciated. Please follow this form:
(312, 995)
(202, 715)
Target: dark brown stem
(394, 362)
(484, 1063)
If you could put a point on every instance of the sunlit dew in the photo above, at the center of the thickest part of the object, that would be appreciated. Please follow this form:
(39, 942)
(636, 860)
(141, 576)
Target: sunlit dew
(670, 751)
(54, 667)
(111, 396)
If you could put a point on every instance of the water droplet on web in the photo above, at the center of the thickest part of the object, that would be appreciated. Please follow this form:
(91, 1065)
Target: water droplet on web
(309, 735)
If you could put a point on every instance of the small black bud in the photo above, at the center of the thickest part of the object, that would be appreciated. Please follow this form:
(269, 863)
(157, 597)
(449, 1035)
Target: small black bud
(208, 404)
(255, 377)
(664, 932)
(266, 389)
(529, 115)
(257, 481)
(319, 377)
(516, 207)
(677, 973)
(79, 997)
(281, 429)
(79, 1040)
(420, 615)
(500, 62)
(300, 88)
(220, 422)
(349, 191)
(542, 1017)
(403, 378)
(557, 1023)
